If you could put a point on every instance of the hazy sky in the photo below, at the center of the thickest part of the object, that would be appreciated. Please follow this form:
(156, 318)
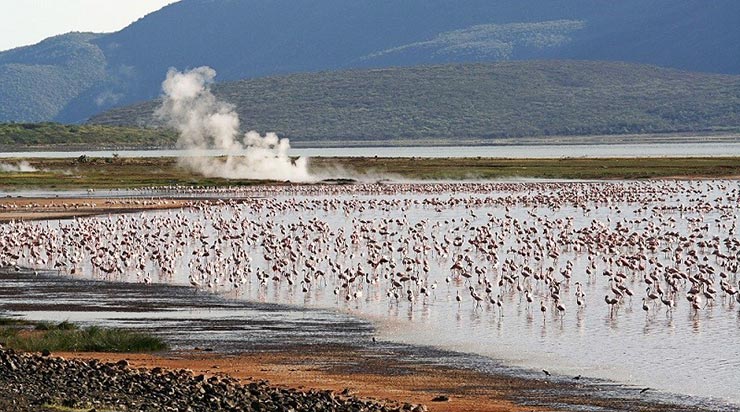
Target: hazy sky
(24, 22)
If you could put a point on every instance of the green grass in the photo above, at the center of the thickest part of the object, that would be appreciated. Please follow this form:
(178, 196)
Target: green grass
(67, 337)
(103, 173)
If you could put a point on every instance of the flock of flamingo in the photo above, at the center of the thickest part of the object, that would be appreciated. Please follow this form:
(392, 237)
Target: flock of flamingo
(554, 248)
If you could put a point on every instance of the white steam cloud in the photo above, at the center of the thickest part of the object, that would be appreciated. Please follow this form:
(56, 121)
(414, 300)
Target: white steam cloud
(20, 167)
(205, 123)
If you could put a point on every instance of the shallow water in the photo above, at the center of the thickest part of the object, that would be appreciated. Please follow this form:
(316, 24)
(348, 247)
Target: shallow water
(708, 149)
(189, 319)
(186, 317)
(685, 351)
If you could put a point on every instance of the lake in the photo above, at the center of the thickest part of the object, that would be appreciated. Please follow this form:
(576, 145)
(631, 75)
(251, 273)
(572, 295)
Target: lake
(492, 269)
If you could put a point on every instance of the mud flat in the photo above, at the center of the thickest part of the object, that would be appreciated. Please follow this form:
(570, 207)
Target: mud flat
(39, 208)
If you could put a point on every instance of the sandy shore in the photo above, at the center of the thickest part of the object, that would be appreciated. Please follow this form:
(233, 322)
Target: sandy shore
(32, 208)
(341, 369)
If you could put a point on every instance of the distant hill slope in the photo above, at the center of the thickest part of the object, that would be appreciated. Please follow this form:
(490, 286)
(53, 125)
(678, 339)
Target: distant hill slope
(475, 101)
(55, 136)
(69, 78)
(37, 82)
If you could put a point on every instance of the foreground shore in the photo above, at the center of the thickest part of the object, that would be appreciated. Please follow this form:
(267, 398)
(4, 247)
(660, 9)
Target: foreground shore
(404, 385)
(300, 379)
(337, 355)
(33, 382)
(40, 208)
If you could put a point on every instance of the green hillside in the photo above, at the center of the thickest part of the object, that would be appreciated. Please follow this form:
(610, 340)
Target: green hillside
(37, 82)
(23, 136)
(476, 101)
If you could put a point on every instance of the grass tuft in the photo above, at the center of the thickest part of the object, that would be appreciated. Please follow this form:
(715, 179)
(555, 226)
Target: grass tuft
(68, 337)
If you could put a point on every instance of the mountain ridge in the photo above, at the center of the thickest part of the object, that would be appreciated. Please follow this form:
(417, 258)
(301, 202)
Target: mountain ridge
(255, 38)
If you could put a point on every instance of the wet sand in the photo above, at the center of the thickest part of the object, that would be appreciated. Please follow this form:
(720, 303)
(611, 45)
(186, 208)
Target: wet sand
(337, 368)
(374, 376)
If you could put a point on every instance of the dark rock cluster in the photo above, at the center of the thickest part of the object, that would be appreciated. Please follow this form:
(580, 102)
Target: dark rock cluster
(30, 382)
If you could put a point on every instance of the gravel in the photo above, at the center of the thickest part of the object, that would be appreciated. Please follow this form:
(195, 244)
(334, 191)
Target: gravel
(32, 382)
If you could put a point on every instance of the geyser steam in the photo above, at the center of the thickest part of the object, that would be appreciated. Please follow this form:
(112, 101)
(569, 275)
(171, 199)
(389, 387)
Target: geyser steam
(206, 123)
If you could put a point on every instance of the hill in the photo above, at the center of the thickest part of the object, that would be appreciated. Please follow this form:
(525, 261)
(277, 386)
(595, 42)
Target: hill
(55, 136)
(37, 81)
(254, 38)
(475, 101)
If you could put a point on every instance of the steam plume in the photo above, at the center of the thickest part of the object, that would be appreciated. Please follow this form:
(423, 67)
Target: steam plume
(23, 166)
(206, 123)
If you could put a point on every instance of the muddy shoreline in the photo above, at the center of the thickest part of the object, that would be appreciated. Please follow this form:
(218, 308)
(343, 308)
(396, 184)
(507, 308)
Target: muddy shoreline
(308, 348)
(43, 208)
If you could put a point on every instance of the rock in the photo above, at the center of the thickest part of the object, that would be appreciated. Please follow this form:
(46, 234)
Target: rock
(441, 398)
(115, 386)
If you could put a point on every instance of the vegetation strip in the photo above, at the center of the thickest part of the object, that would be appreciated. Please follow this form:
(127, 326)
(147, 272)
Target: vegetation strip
(65, 336)
(86, 172)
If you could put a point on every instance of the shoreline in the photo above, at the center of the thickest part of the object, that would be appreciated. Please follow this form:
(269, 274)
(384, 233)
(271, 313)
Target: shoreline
(317, 368)
(44, 208)
(385, 370)
(367, 374)
(700, 136)
(146, 173)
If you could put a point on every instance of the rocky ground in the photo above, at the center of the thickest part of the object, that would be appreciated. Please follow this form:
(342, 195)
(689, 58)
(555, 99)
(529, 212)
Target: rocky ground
(32, 382)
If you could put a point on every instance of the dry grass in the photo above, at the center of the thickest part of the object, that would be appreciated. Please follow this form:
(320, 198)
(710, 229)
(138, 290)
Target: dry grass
(145, 172)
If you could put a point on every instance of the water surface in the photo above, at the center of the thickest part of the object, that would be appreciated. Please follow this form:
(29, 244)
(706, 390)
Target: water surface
(332, 229)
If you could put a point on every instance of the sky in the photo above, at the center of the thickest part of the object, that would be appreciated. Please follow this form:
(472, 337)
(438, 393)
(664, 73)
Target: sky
(24, 22)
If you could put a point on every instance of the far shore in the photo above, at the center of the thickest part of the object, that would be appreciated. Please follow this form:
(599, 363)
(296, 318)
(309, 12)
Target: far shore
(566, 140)
(136, 173)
